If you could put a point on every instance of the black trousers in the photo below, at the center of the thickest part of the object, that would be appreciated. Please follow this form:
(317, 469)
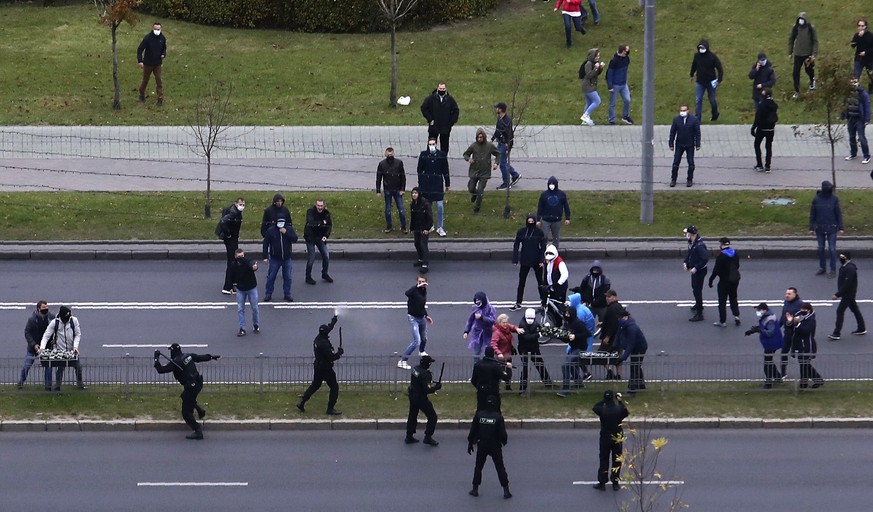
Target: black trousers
(727, 290)
(697, 280)
(420, 403)
(610, 458)
(523, 271)
(421, 246)
(482, 399)
(323, 374)
(677, 159)
(807, 370)
(787, 336)
(189, 403)
(767, 137)
(850, 304)
(230, 246)
(533, 357)
(637, 381)
(443, 138)
(75, 364)
(496, 453)
(770, 373)
(800, 61)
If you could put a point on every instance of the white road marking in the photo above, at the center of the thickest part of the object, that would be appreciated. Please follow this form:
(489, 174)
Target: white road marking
(775, 303)
(159, 345)
(645, 482)
(192, 484)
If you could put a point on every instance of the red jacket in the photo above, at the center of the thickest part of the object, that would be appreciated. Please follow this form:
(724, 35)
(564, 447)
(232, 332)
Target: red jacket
(569, 5)
(501, 340)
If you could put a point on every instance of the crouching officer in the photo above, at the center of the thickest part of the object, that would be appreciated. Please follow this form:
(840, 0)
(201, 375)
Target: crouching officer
(324, 358)
(488, 373)
(488, 432)
(611, 412)
(420, 385)
(185, 371)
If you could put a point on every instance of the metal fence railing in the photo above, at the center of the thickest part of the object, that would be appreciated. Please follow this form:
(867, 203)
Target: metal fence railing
(263, 373)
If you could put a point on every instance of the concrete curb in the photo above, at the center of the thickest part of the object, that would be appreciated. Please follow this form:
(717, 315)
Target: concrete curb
(149, 425)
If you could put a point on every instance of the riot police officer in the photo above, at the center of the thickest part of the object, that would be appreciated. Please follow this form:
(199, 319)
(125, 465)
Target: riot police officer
(185, 370)
(487, 374)
(488, 432)
(611, 412)
(420, 385)
(324, 358)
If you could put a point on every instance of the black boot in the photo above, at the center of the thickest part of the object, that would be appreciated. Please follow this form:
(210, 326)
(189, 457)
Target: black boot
(506, 493)
(197, 435)
(431, 441)
(600, 487)
(609, 375)
(333, 412)
(698, 317)
(300, 406)
(474, 491)
(309, 279)
(410, 439)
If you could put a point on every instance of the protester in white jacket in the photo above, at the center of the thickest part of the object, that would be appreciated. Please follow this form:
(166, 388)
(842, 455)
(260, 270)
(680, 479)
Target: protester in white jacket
(64, 333)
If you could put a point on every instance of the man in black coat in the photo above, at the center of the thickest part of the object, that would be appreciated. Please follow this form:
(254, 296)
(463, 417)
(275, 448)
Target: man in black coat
(185, 370)
(421, 384)
(228, 231)
(706, 70)
(277, 245)
(434, 179)
(420, 223)
(391, 174)
(847, 290)
(441, 112)
(763, 76)
(150, 55)
(633, 346)
(696, 264)
(323, 365)
(316, 232)
(529, 349)
(609, 332)
(528, 250)
(246, 283)
(488, 433)
(576, 337)
(488, 372)
(727, 270)
(764, 127)
(790, 307)
(684, 138)
(593, 289)
(611, 413)
(33, 331)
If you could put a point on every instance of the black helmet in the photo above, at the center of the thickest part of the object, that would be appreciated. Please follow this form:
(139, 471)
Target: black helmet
(426, 361)
(608, 395)
(175, 350)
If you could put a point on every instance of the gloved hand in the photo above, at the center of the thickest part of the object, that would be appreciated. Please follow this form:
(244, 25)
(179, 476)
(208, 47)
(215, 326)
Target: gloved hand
(340, 351)
(157, 356)
(216, 357)
(438, 386)
(752, 331)
(470, 448)
(333, 319)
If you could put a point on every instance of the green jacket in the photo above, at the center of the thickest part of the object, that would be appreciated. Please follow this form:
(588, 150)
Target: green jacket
(479, 155)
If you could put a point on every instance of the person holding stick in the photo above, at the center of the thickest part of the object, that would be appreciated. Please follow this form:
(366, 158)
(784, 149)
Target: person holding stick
(420, 385)
(324, 372)
(185, 370)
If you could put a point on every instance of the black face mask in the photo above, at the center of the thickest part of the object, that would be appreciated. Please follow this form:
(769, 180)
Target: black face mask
(441, 93)
(43, 312)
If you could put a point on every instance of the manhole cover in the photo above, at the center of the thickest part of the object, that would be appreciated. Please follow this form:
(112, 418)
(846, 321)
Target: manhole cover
(781, 201)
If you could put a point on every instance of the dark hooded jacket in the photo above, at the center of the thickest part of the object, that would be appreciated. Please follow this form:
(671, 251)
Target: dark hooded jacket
(35, 328)
(727, 264)
(769, 333)
(480, 153)
(804, 40)
(184, 368)
(231, 222)
(594, 287)
(530, 244)
(706, 66)
(766, 77)
(318, 224)
(416, 301)
(443, 111)
(698, 256)
(803, 340)
(573, 324)
(487, 374)
(277, 245)
(825, 213)
(480, 329)
(589, 72)
(421, 213)
(766, 116)
(616, 72)
(273, 213)
(553, 204)
(631, 339)
(864, 44)
(433, 171)
(322, 347)
(847, 281)
(152, 49)
(391, 175)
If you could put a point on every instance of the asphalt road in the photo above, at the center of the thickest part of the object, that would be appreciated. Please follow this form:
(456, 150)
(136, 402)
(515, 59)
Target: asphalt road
(147, 303)
(719, 470)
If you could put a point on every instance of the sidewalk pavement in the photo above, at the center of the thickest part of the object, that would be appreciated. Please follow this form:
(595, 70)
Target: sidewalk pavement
(441, 249)
(140, 158)
(210, 425)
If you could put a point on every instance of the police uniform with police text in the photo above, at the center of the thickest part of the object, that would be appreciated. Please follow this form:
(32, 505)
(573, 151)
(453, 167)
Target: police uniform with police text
(185, 371)
(488, 433)
(420, 386)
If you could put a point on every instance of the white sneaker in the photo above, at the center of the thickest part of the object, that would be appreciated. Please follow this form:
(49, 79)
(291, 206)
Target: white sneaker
(866, 160)
(441, 231)
(422, 354)
(586, 120)
(404, 365)
(850, 157)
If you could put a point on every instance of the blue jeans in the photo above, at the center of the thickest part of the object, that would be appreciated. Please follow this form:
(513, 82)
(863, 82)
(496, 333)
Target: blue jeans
(624, 92)
(594, 11)
(698, 99)
(831, 236)
(570, 368)
(29, 359)
(419, 335)
(275, 265)
(440, 213)
(311, 245)
(592, 101)
(398, 200)
(569, 22)
(856, 134)
(506, 170)
(252, 297)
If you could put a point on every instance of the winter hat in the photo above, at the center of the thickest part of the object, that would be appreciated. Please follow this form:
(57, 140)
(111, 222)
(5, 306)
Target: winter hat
(530, 314)
(762, 306)
(724, 241)
(64, 313)
(691, 230)
(762, 56)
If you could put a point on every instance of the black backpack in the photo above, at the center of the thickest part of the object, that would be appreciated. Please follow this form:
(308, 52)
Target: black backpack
(219, 228)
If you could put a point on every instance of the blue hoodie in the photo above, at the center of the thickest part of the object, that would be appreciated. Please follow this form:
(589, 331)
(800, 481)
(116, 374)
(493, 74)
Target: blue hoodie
(553, 204)
(586, 316)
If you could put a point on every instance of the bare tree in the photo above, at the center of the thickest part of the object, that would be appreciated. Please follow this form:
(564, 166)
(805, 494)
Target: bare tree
(209, 124)
(518, 104)
(394, 11)
(643, 472)
(828, 102)
(112, 14)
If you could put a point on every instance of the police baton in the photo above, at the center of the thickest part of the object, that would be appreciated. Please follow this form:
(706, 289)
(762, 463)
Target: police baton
(341, 336)
(168, 359)
(442, 369)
